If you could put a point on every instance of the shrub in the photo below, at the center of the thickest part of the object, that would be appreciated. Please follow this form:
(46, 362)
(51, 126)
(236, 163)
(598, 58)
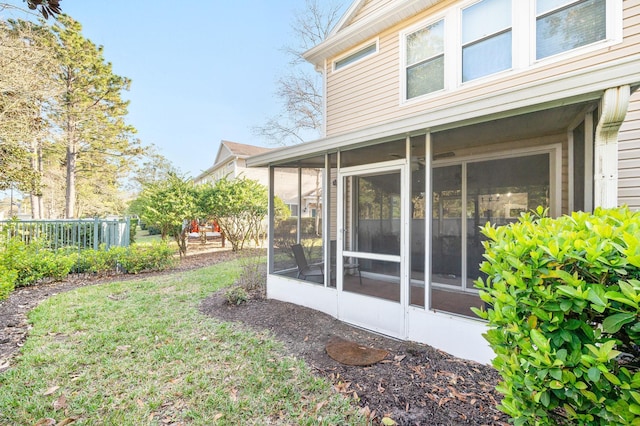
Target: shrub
(236, 295)
(254, 274)
(563, 298)
(33, 263)
(100, 261)
(7, 282)
(157, 256)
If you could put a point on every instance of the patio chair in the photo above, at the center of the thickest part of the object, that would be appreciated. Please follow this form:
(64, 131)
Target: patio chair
(304, 269)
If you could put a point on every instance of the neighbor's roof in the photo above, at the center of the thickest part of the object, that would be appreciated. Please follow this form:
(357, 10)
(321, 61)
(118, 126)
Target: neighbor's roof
(244, 150)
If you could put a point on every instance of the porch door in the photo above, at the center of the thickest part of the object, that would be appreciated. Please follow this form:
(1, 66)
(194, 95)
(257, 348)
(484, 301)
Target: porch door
(371, 278)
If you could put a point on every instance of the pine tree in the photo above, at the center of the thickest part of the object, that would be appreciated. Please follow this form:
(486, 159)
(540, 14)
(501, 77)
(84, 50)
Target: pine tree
(89, 114)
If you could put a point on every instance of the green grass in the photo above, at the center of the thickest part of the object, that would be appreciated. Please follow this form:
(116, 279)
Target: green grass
(139, 353)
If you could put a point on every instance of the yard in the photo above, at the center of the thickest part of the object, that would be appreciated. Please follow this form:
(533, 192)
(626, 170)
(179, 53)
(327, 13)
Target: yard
(165, 349)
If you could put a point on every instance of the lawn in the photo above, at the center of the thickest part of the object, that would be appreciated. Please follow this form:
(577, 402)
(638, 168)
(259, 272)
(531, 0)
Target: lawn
(140, 352)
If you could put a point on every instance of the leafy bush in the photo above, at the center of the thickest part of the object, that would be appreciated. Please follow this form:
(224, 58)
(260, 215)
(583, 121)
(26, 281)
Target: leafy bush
(7, 282)
(33, 263)
(157, 256)
(236, 295)
(563, 299)
(100, 261)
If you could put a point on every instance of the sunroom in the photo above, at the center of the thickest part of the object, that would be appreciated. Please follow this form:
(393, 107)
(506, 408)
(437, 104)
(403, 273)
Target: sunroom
(395, 246)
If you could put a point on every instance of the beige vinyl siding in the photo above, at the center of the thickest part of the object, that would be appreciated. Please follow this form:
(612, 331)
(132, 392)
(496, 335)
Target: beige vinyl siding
(369, 8)
(629, 156)
(369, 93)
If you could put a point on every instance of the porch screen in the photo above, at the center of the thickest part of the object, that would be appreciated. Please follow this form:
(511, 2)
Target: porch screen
(494, 191)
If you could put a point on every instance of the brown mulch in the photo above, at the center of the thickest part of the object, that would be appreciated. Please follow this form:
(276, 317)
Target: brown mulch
(414, 384)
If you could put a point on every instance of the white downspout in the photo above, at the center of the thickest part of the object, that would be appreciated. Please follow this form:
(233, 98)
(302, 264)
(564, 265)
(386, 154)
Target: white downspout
(613, 109)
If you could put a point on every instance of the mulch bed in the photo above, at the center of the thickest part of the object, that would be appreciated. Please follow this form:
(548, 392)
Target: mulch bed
(414, 384)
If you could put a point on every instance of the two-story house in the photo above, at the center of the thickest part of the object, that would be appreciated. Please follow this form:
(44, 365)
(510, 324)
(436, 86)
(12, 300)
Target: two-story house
(441, 116)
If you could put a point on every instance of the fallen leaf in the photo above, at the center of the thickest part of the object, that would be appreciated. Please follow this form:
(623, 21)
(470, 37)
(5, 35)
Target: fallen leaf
(381, 388)
(319, 405)
(67, 421)
(140, 403)
(60, 403)
(399, 358)
(123, 347)
(388, 421)
(233, 394)
(51, 390)
(218, 416)
(45, 422)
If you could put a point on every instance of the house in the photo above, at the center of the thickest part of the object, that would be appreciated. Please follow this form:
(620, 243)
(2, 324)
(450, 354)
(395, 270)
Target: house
(441, 116)
(230, 162)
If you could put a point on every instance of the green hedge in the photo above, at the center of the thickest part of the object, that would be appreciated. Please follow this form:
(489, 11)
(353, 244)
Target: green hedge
(24, 264)
(563, 298)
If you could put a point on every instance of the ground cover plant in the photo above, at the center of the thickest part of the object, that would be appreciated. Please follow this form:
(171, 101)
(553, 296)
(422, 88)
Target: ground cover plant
(563, 301)
(139, 352)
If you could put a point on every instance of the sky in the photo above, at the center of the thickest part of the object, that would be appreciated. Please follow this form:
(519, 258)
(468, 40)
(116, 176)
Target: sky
(202, 71)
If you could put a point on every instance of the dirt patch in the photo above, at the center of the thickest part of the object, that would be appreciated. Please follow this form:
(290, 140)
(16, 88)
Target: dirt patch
(414, 384)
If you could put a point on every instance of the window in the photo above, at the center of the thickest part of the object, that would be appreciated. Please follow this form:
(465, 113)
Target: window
(562, 25)
(293, 208)
(356, 56)
(486, 42)
(425, 60)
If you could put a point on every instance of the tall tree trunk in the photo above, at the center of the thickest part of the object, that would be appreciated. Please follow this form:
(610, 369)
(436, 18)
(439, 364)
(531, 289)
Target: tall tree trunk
(35, 195)
(70, 194)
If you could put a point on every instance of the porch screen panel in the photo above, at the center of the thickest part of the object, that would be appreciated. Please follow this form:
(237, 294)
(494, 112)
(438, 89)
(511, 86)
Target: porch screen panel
(498, 191)
(311, 214)
(579, 167)
(285, 231)
(332, 216)
(446, 226)
(378, 214)
(418, 222)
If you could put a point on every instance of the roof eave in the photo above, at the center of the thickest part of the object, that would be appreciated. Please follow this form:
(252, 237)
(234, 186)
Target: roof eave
(369, 27)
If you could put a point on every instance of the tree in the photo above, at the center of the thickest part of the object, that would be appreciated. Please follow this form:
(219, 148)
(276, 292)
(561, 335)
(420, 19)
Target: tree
(238, 205)
(300, 90)
(26, 62)
(170, 205)
(90, 113)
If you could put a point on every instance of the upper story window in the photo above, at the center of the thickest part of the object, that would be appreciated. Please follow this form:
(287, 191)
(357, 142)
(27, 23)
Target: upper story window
(562, 25)
(486, 38)
(425, 60)
(477, 39)
(356, 56)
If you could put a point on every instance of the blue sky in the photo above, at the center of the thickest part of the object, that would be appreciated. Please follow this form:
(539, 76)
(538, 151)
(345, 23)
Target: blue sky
(201, 71)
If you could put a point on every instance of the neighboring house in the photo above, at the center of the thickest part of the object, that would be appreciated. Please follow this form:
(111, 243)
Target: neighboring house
(230, 162)
(442, 116)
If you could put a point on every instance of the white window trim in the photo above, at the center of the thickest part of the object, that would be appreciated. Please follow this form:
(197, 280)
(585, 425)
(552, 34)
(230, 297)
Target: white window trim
(363, 46)
(614, 24)
(523, 47)
(447, 57)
